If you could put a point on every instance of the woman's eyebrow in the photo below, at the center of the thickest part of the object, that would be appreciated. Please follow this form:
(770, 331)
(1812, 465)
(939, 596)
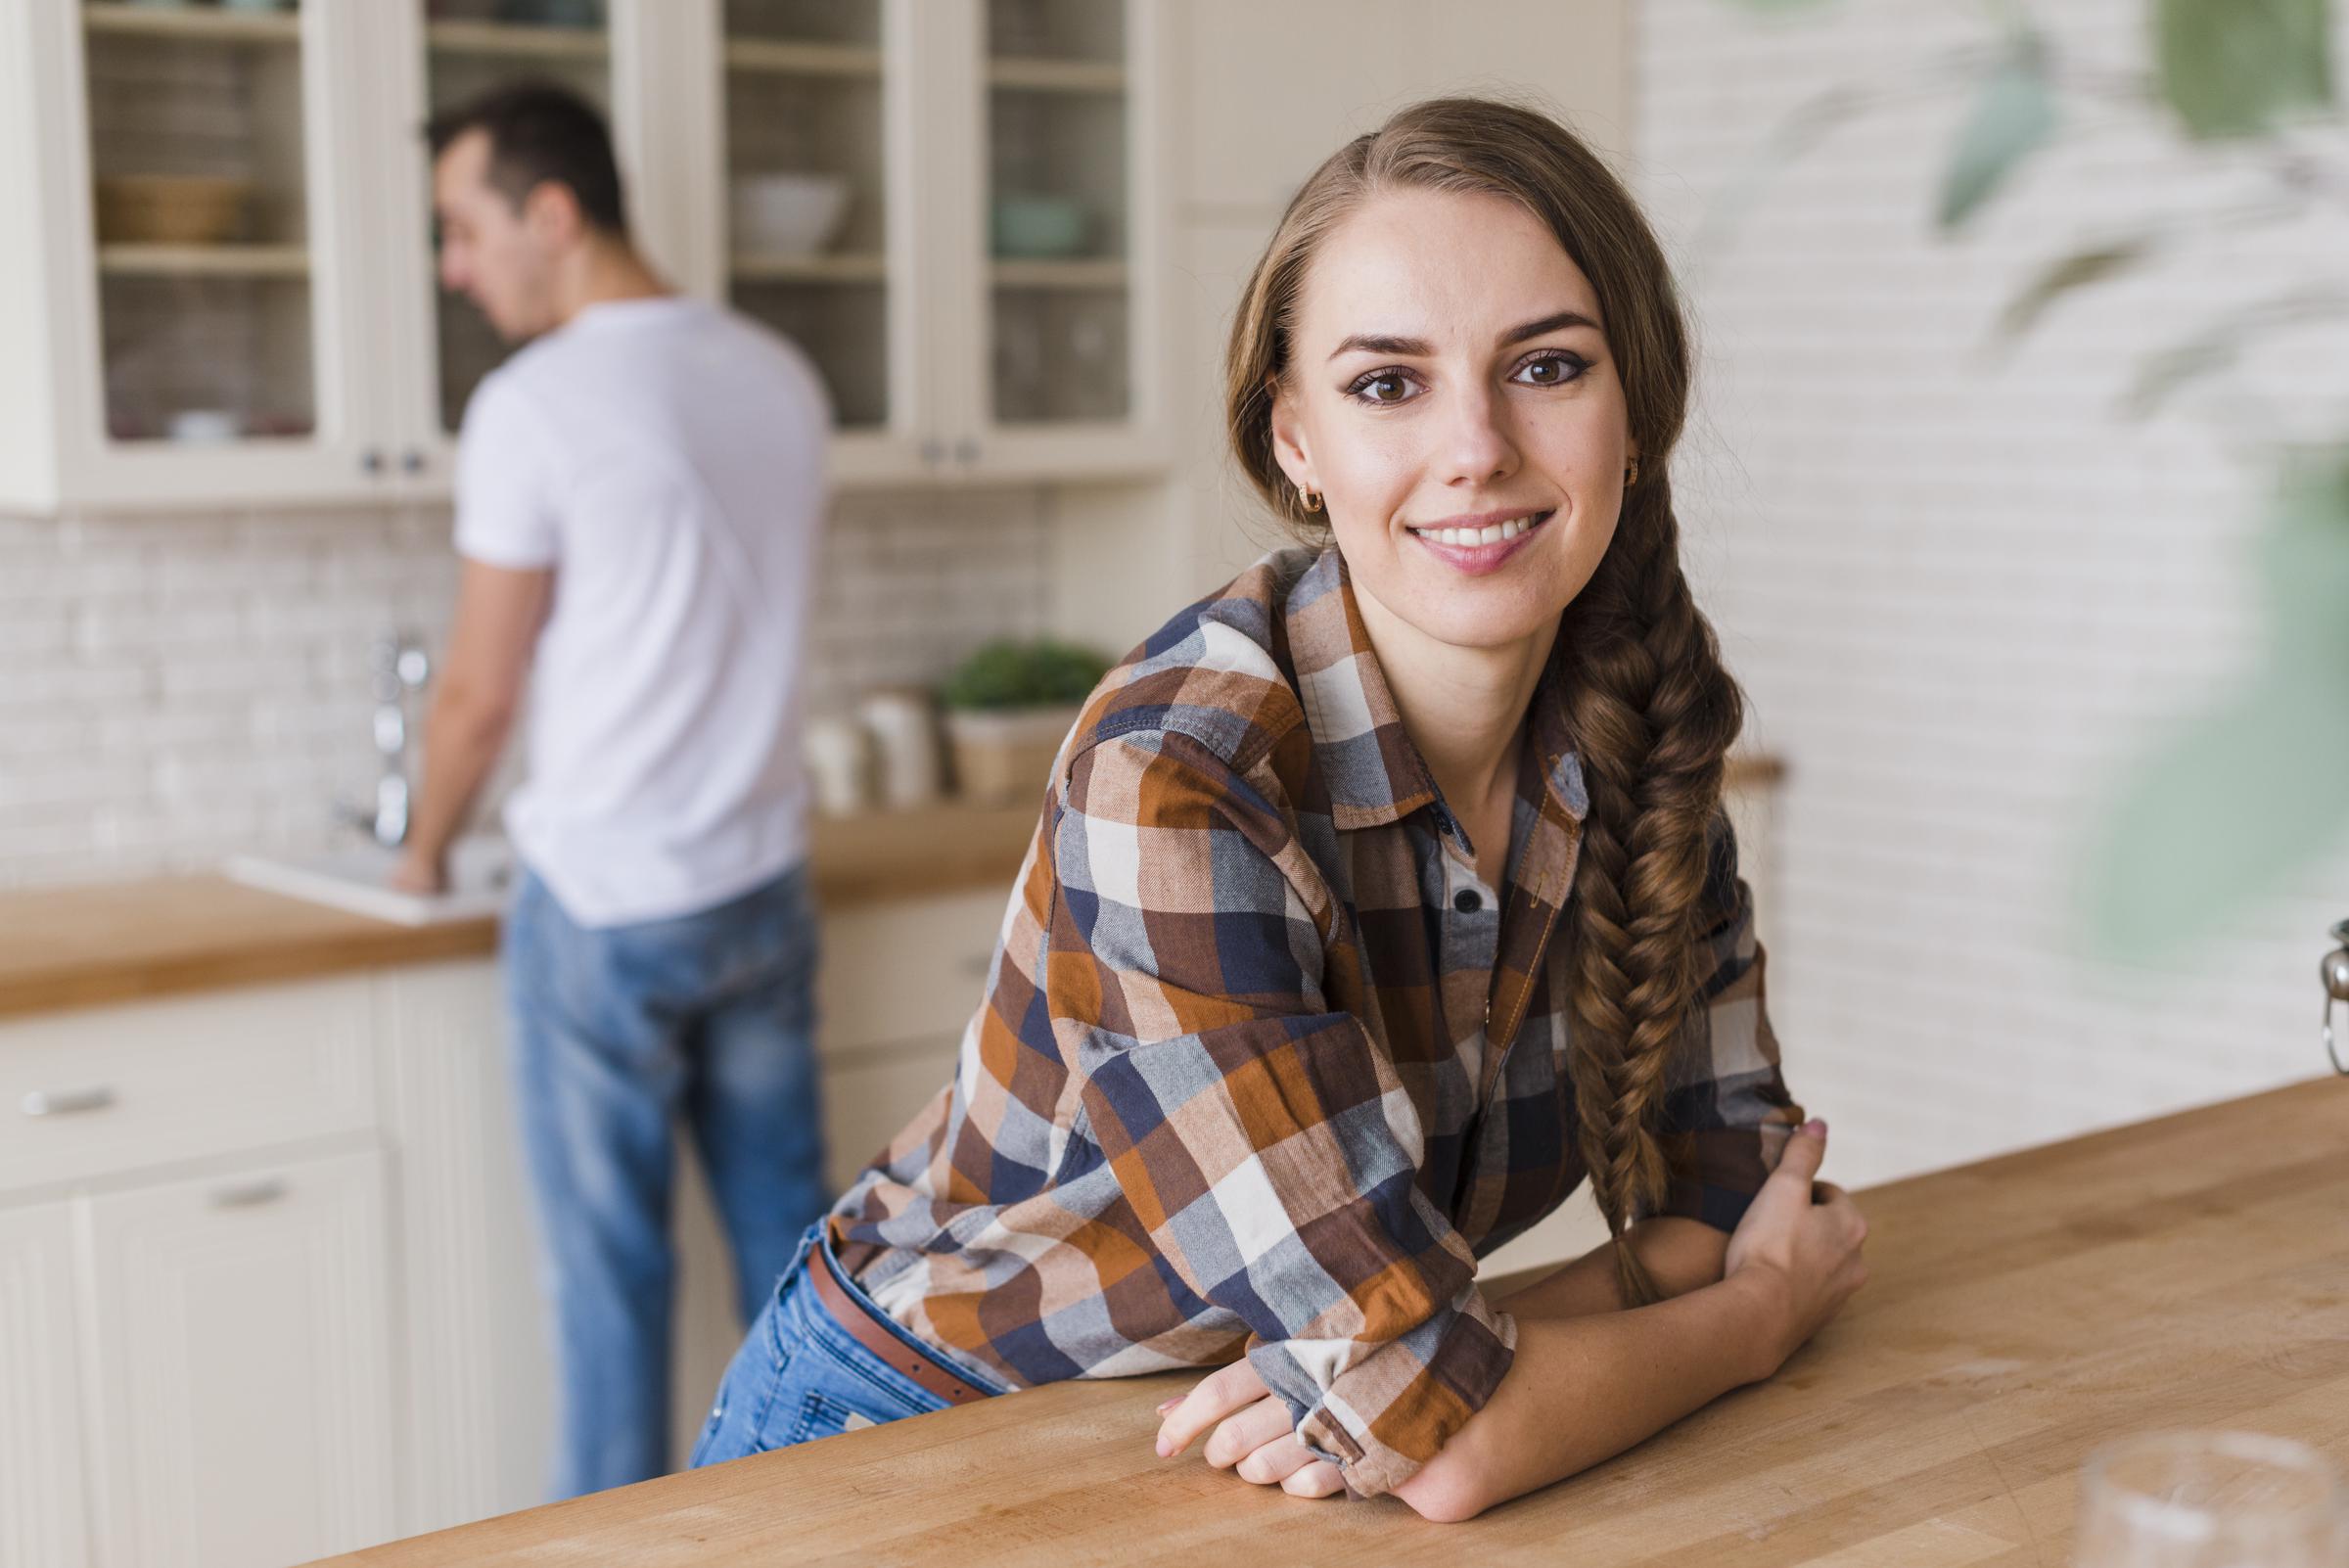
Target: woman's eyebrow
(1380, 343)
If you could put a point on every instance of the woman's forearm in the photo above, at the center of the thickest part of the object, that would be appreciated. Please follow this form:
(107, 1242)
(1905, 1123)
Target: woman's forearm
(1681, 1256)
(1583, 1389)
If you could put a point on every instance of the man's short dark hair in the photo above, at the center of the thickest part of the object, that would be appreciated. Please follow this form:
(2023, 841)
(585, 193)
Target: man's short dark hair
(540, 132)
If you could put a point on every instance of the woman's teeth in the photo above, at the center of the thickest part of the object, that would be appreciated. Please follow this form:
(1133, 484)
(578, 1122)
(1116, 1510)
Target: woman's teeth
(1493, 533)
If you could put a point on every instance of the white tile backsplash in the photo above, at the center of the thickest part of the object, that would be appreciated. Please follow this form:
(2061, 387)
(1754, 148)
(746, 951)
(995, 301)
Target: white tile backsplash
(179, 688)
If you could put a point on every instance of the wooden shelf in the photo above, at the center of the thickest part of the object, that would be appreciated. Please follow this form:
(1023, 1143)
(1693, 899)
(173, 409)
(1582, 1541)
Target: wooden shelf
(209, 21)
(753, 267)
(511, 40)
(205, 260)
(1073, 274)
(1056, 75)
(779, 57)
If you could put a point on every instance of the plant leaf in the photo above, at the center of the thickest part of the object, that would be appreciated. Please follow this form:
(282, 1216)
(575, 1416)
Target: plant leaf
(2066, 274)
(2161, 374)
(2013, 116)
(2231, 68)
(2249, 789)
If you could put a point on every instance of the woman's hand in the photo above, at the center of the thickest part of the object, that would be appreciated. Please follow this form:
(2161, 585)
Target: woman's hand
(1800, 1243)
(1252, 1434)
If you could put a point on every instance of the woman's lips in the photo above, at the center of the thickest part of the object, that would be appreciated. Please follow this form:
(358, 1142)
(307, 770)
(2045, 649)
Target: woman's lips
(1475, 560)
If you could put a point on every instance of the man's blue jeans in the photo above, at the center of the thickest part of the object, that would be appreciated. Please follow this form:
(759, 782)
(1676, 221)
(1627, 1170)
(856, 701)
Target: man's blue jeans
(619, 1034)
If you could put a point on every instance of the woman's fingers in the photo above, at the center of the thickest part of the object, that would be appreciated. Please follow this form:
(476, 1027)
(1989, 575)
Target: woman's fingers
(1319, 1479)
(1220, 1394)
(1275, 1460)
(1242, 1434)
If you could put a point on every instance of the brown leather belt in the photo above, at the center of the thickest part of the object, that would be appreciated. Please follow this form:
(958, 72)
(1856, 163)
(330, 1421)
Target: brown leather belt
(892, 1351)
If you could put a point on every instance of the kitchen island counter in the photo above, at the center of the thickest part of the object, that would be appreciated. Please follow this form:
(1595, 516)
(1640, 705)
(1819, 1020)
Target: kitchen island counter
(2183, 1271)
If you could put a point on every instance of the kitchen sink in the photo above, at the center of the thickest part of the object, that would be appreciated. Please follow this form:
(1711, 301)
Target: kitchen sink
(357, 879)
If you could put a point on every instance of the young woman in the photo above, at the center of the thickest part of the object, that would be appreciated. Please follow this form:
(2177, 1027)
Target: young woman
(1378, 900)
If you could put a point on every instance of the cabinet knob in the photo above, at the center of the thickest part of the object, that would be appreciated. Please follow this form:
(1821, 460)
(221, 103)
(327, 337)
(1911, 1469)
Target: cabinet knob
(933, 453)
(371, 462)
(966, 451)
(68, 1102)
(411, 461)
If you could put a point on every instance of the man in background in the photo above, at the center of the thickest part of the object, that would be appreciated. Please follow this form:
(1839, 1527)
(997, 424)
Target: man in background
(638, 499)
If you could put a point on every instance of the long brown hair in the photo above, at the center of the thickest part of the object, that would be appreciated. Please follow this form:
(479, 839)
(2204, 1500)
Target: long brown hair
(1651, 709)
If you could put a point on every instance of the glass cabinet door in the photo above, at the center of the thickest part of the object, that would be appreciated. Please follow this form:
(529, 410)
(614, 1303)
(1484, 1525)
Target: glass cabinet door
(805, 194)
(473, 47)
(1058, 213)
(208, 329)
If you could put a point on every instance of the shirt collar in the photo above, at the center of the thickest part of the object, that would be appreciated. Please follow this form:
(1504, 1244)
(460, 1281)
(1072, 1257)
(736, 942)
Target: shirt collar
(1375, 774)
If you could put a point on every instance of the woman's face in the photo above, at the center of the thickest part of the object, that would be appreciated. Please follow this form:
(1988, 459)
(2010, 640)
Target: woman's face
(1452, 396)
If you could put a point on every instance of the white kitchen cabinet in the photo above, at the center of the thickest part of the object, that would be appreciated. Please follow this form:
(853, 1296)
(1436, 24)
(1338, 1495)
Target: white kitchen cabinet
(267, 328)
(241, 1330)
(961, 339)
(204, 339)
(40, 1414)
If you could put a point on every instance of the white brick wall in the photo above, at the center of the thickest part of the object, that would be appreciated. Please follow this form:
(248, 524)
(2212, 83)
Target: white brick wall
(1960, 593)
(174, 689)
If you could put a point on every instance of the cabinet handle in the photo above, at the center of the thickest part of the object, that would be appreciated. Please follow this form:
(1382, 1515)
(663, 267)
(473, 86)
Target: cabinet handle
(933, 453)
(250, 1194)
(68, 1102)
(411, 461)
(977, 965)
(966, 451)
(371, 462)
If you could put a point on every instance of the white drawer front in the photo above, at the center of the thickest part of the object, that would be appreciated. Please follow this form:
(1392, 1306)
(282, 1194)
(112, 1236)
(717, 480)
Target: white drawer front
(90, 1092)
(906, 971)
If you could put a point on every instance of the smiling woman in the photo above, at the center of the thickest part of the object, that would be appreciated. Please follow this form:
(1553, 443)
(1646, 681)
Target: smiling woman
(1379, 897)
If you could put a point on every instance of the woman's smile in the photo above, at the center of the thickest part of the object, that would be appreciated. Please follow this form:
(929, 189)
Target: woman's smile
(1483, 542)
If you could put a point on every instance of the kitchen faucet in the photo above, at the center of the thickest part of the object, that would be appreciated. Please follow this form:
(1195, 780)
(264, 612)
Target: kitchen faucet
(400, 667)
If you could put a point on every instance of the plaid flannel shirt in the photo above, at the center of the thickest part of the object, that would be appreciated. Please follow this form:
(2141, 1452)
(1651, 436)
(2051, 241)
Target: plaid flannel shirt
(1263, 1065)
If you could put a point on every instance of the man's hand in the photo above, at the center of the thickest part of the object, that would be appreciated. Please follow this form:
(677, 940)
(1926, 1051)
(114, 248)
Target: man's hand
(1252, 1434)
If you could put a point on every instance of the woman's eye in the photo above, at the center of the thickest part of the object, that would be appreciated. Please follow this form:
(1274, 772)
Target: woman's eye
(1552, 370)
(1382, 386)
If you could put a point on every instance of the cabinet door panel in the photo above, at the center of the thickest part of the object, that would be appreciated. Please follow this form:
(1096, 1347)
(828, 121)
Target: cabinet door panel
(242, 1344)
(40, 1417)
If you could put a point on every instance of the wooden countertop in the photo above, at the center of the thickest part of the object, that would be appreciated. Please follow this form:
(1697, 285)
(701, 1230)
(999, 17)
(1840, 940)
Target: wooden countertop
(84, 946)
(2186, 1271)
(79, 946)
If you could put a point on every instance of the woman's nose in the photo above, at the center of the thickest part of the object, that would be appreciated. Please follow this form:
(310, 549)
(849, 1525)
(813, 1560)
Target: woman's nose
(1477, 443)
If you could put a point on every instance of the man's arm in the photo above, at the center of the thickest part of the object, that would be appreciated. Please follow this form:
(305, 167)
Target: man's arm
(499, 611)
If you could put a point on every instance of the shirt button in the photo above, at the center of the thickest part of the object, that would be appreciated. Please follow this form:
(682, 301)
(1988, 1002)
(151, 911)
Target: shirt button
(1466, 900)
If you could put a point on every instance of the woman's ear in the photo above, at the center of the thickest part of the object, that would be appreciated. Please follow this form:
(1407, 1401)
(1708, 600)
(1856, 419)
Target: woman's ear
(1288, 440)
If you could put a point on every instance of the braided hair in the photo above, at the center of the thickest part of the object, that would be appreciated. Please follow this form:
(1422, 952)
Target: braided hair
(1650, 707)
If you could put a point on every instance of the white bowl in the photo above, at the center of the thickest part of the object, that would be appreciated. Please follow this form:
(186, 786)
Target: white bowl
(787, 215)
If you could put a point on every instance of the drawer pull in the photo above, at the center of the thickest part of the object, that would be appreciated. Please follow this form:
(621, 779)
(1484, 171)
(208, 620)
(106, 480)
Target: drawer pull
(68, 1102)
(250, 1194)
(977, 965)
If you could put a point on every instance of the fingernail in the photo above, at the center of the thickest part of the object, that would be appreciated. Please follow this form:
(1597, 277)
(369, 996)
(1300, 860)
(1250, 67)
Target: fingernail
(1170, 1404)
(1815, 1126)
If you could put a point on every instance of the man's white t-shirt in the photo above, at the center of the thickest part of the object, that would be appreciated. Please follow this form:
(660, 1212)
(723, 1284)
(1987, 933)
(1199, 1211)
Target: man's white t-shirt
(665, 459)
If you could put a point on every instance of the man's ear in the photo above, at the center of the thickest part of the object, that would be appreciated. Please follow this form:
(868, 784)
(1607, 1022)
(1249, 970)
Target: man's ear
(551, 212)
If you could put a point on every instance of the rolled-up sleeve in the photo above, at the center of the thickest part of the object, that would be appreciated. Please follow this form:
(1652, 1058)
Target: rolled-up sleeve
(1261, 1141)
(1727, 1114)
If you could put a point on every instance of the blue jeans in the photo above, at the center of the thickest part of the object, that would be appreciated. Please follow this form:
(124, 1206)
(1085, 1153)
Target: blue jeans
(618, 1034)
(800, 1377)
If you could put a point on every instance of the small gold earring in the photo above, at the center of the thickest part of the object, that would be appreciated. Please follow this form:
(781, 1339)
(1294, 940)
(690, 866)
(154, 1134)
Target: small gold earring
(1310, 500)
(1630, 476)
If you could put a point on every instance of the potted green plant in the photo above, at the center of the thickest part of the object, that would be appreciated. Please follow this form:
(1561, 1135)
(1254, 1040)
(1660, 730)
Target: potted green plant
(1008, 708)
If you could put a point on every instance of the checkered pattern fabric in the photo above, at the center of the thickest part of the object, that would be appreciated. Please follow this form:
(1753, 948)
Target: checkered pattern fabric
(1263, 1065)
